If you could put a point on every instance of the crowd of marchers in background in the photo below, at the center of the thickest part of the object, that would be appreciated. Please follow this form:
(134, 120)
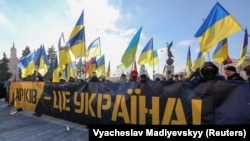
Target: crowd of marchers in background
(207, 72)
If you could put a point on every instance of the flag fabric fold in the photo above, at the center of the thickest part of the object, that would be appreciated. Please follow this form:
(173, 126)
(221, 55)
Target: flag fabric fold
(218, 25)
(56, 72)
(94, 49)
(244, 49)
(200, 60)
(76, 41)
(155, 59)
(221, 51)
(64, 55)
(41, 61)
(100, 66)
(71, 70)
(146, 55)
(27, 64)
(129, 55)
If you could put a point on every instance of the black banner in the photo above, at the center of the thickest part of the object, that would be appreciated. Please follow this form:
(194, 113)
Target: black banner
(154, 103)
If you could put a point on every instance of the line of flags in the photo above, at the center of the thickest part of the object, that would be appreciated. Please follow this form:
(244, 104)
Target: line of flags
(216, 28)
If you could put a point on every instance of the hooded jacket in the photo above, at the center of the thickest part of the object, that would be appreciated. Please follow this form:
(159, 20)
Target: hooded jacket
(210, 74)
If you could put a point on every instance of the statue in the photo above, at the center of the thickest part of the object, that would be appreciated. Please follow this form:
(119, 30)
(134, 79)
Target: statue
(169, 45)
(143, 70)
(170, 61)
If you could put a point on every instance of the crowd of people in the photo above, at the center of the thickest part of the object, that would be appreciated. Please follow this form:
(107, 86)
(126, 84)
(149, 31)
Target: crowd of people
(208, 72)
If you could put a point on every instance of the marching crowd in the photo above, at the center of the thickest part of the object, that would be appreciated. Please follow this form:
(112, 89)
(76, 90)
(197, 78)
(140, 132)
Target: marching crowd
(208, 72)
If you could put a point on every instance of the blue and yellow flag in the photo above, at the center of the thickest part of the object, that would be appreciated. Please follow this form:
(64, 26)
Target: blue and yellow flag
(221, 51)
(27, 65)
(64, 55)
(94, 49)
(217, 26)
(129, 55)
(56, 72)
(41, 61)
(71, 70)
(76, 41)
(189, 62)
(200, 60)
(146, 55)
(155, 59)
(244, 49)
(100, 66)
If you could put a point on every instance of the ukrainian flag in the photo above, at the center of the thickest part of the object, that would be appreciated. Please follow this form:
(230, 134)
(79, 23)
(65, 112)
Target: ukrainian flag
(64, 55)
(199, 61)
(221, 51)
(100, 66)
(244, 49)
(94, 49)
(129, 55)
(147, 53)
(27, 65)
(155, 59)
(71, 70)
(56, 72)
(41, 61)
(217, 26)
(77, 39)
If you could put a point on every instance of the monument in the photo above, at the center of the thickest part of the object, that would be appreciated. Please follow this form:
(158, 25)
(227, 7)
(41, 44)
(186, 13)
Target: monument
(143, 70)
(170, 61)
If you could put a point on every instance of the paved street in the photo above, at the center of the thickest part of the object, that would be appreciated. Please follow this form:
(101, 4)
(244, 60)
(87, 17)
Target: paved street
(24, 126)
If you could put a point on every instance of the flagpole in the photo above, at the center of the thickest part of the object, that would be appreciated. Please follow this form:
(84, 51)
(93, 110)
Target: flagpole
(208, 56)
(153, 65)
(100, 46)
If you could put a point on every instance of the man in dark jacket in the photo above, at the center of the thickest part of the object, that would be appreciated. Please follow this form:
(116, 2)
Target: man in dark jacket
(231, 74)
(209, 71)
(94, 77)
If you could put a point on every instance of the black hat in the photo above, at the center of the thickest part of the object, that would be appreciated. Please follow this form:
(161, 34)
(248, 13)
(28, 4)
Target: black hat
(231, 68)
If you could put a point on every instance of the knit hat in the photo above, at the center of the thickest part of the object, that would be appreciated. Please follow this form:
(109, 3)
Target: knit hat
(231, 68)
